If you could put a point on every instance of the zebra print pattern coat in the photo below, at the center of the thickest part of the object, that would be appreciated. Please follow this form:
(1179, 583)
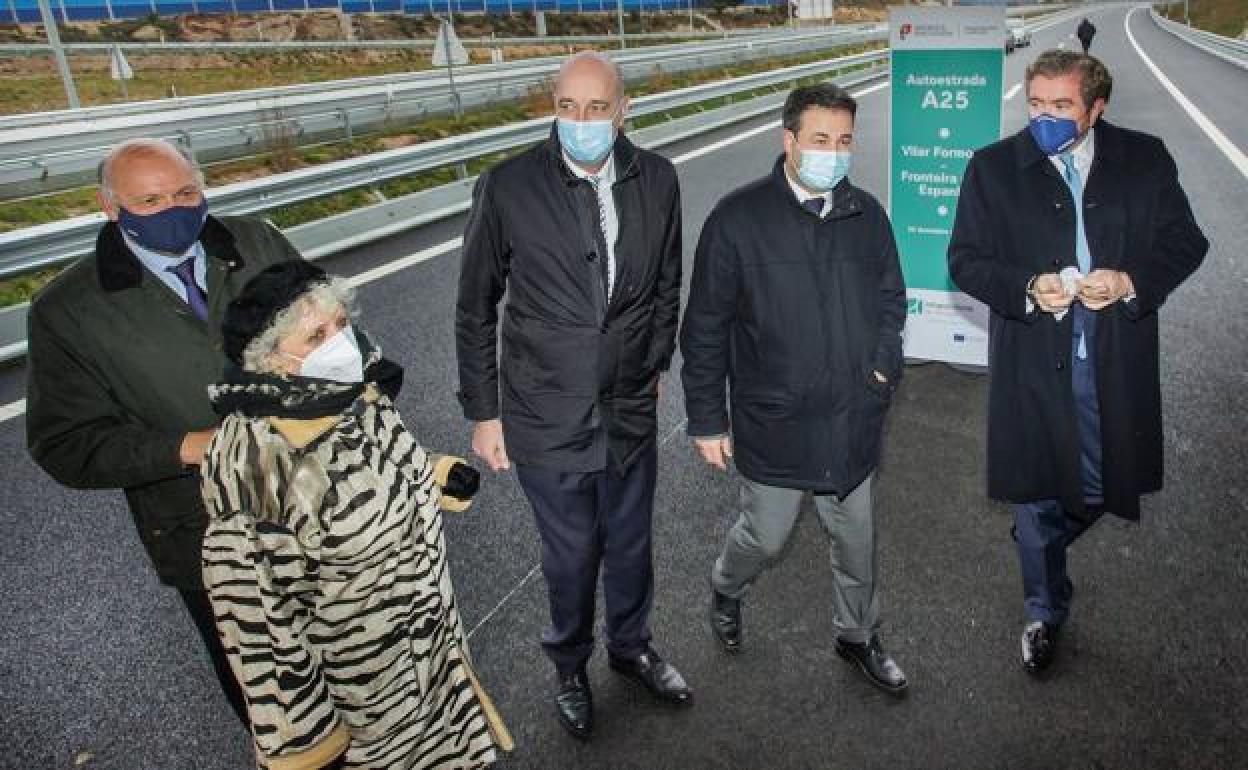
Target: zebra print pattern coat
(326, 565)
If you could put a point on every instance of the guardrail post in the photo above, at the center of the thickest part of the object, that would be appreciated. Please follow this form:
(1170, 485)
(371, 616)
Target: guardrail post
(346, 124)
(184, 139)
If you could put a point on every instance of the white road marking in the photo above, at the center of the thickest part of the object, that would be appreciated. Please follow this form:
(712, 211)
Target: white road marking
(15, 409)
(18, 408)
(1228, 148)
(533, 570)
(381, 271)
(722, 143)
(1013, 91)
(504, 600)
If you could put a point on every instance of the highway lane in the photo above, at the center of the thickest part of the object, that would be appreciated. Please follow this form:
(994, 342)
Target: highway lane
(1213, 85)
(96, 658)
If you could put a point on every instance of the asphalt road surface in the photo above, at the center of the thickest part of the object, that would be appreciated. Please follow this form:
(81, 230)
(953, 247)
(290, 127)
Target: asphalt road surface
(100, 668)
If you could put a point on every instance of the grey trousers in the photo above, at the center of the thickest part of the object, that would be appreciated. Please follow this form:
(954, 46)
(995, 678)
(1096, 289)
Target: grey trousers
(767, 518)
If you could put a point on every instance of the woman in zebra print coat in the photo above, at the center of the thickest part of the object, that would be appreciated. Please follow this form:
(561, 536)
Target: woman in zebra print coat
(324, 555)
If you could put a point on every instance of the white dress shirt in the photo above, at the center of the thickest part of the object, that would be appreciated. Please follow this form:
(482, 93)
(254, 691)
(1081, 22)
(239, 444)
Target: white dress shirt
(157, 264)
(803, 195)
(1084, 152)
(610, 221)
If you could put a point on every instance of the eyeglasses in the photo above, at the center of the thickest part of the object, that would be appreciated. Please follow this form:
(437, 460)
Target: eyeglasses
(190, 195)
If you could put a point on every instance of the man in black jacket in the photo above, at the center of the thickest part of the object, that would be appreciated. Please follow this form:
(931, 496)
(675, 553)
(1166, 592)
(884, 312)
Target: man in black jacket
(798, 303)
(1073, 232)
(123, 346)
(1085, 32)
(582, 232)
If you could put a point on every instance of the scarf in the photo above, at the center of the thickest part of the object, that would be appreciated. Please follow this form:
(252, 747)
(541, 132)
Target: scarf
(302, 398)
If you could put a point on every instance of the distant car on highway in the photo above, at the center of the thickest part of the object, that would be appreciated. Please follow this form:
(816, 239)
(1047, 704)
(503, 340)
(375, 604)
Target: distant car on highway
(1016, 36)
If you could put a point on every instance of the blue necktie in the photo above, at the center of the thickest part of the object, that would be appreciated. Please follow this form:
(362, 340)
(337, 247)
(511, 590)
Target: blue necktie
(195, 297)
(814, 206)
(1083, 255)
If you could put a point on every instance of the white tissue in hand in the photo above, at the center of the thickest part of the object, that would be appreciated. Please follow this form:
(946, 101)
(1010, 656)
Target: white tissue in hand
(1070, 278)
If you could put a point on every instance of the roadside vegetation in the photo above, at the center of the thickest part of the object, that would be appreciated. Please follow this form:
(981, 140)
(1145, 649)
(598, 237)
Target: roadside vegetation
(29, 83)
(1222, 17)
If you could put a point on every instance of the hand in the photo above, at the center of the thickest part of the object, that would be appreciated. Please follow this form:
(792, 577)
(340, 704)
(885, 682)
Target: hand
(716, 451)
(1049, 294)
(879, 377)
(1101, 288)
(462, 481)
(487, 443)
(195, 446)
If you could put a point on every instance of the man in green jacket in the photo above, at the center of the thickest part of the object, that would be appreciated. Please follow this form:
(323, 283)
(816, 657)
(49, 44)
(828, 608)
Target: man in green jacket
(123, 345)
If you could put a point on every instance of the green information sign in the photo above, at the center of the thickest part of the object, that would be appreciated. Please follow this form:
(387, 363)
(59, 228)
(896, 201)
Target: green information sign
(946, 103)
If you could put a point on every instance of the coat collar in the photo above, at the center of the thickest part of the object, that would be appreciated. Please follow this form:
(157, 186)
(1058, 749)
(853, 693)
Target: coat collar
(301, 432)
(1109, 146)
(624, 151)
(846, 201)
(118, 268)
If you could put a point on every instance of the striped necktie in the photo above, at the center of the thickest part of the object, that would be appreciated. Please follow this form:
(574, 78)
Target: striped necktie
(596, 182)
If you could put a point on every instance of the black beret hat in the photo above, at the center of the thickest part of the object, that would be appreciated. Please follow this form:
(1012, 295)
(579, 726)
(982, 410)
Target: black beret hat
(268, 293)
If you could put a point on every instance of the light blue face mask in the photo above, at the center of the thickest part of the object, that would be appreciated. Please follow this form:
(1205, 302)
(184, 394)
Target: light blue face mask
(821, 170)
(586, 141)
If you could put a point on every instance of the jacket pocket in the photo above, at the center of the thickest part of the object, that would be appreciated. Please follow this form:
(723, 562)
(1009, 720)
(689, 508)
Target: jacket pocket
(867, 423)
(767, 403)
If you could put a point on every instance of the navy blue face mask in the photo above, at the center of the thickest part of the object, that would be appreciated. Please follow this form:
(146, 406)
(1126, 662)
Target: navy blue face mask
(171, 231)
(1053, 135)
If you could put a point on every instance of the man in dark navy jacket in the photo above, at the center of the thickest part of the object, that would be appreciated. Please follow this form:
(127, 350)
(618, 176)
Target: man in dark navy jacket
(582, 232)
(797, 301)
(1073, 231)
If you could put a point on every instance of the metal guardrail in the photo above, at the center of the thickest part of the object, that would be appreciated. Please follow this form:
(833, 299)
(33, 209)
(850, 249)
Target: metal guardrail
(105, 111)
(38, 159)
(42, 246)
(1226, 48)
(332, 234)
(267, 46)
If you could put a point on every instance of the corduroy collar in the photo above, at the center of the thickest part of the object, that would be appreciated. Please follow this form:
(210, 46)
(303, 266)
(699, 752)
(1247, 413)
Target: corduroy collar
(119, 269)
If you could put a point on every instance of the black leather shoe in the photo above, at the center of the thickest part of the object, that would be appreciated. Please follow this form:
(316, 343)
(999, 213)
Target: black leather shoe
(1039, 646)
(575, 704)
(876, 665)
(726, 621)
(656, 675)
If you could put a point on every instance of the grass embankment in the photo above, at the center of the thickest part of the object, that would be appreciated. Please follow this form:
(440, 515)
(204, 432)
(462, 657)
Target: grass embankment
(31, 83)
(1222, 17)
(158, 76)
(49, 208)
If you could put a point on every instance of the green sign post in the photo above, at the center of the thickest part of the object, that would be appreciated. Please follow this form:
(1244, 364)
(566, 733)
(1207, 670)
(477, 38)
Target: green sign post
(946, 103)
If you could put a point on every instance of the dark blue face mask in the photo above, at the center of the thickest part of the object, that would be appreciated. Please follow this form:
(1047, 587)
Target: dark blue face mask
(1053, 135)
(171, 231)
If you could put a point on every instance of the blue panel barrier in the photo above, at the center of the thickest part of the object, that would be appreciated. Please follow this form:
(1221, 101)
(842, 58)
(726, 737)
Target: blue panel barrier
(27, 11)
